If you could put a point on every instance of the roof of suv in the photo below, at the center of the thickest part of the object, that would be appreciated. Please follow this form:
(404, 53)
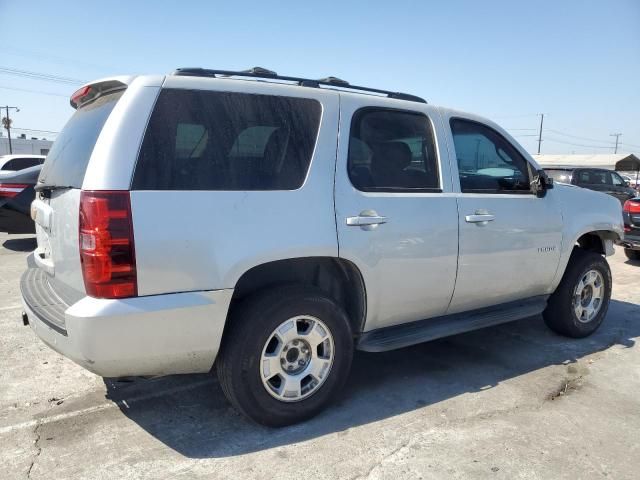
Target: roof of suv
(265, 74)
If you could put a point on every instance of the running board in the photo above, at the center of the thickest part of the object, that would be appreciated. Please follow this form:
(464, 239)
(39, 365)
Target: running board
(399, 336)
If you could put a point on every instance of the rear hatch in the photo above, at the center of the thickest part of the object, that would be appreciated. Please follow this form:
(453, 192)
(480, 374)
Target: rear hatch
(56, 207)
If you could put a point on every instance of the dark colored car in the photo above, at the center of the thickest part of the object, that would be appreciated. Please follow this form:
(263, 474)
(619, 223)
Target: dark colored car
(631, 216)
(599, 179)
(16, 195)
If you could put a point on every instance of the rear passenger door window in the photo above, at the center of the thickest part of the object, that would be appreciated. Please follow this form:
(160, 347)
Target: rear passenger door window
(487, 162)
(392, 150)
(208, 140)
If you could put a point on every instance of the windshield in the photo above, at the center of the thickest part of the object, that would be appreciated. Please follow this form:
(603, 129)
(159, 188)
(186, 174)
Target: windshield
(67, 161)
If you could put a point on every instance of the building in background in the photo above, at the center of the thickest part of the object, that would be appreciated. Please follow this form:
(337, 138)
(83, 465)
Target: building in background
(22, 144)
(622, 162)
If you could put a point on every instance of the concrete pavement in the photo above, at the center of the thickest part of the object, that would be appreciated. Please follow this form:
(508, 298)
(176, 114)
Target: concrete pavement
(513, 401)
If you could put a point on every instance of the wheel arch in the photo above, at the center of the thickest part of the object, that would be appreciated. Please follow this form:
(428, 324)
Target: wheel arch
(595, 240)
(337, 277)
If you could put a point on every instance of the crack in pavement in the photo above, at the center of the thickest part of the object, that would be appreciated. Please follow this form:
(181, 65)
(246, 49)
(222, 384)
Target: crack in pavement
(38, 448)
(386, 456)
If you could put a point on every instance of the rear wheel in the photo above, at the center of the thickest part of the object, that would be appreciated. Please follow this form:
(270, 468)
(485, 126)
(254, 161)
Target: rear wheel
(579, 304)
(632, 254)
(285, 355)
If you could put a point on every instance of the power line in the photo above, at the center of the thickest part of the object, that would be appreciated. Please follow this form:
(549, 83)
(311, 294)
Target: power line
(40, 76)
(33, 91)
(578, 137)
(575, 144)
(35, 130)
(516, 116)
(52, 58)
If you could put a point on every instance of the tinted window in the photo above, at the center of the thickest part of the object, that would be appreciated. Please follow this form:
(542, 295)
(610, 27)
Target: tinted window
(20, 163)
(593, 177)
(392, 150)
(487, 162)
(583, 177)
(559, 175)
(67, 161)
(203, 140)
(617, 179)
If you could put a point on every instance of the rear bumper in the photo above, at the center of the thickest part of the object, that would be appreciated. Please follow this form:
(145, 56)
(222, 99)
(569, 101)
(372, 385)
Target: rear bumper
(154, 335)
(631, 240)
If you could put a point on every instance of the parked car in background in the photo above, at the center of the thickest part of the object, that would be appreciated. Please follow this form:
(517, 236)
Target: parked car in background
(14, 163)
(16, 195)
(598, 179)
(631, 217)
(631, 178)
(321, 219)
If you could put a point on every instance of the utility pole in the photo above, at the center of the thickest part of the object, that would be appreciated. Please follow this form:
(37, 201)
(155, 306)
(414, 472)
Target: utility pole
(540, 133)
(6, 122)
(617, 135)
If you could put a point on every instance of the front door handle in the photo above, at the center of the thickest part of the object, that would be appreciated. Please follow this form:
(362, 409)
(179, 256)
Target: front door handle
(481, 217)
(367, 220)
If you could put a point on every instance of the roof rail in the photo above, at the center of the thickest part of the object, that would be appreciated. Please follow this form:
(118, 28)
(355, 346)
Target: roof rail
(259, 72)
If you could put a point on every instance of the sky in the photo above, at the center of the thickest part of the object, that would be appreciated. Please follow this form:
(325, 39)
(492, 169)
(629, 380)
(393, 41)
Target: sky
(578, 62)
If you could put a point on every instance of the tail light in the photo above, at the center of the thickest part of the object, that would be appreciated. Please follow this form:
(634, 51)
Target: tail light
(107, 251)
(11, 190)
(631, 206)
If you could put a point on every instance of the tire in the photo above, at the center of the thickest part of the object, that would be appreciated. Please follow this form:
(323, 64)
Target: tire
(632, 254)
(561, 315)
(251, 336)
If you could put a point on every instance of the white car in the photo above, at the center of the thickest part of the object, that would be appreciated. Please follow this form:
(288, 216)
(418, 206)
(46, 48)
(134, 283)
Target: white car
(267, 226)
(10, 164)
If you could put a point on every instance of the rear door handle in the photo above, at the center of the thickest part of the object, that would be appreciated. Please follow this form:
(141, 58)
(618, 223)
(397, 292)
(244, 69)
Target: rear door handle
(481, 217)
(367, 219)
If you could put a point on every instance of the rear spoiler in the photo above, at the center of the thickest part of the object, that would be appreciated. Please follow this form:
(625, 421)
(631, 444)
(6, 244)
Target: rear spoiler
(94, 90)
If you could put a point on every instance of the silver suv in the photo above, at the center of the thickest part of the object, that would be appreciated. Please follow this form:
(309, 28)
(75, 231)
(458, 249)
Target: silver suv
(267, 226)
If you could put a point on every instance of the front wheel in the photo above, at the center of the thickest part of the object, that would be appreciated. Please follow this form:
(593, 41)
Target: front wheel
(579, 304)
(285, 355)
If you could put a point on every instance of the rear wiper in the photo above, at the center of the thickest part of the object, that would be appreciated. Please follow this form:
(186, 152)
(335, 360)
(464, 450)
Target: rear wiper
(44, 187)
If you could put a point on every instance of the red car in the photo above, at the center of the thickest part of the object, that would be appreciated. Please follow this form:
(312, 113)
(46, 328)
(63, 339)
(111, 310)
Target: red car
(631, 216)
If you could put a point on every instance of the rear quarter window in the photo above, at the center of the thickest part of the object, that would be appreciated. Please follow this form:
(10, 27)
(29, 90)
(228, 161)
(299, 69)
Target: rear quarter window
(206, 140)
(66, 163)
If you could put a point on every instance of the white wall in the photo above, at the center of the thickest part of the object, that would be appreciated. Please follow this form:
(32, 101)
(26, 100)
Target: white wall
(21, 145)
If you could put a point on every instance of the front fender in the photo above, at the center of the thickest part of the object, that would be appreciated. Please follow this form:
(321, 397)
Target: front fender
(586, 212)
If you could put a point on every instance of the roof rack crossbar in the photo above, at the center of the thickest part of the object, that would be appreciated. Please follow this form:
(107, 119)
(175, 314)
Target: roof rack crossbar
(258, 72)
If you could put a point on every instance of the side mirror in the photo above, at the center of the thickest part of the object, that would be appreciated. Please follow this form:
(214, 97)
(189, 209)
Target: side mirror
(541, 183)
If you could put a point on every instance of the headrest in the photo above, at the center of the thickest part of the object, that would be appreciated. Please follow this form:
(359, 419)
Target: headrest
(391, 156)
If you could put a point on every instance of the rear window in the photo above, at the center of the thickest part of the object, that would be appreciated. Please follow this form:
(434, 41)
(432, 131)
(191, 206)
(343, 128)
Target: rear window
(559, 175)
(67, 161)
(21, 163)
(204, 140)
